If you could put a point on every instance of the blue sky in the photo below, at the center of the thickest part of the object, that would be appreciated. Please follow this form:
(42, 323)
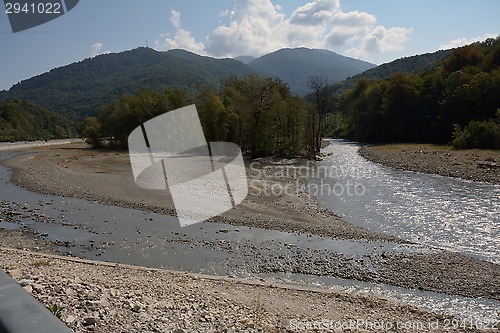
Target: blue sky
(374, 30)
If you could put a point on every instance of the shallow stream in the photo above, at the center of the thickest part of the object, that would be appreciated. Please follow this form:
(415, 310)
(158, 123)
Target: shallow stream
(95, 231)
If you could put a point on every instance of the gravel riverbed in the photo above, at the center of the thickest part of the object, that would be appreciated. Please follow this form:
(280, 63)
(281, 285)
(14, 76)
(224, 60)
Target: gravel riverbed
(472, 164)
(110, 298)
(105, 177)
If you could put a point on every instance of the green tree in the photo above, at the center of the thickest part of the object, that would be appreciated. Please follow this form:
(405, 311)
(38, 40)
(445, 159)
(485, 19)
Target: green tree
(400, 106)
(90, 129)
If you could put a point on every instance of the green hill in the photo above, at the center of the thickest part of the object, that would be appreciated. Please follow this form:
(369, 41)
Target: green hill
(411, 64)
(296, 66)
(453, 100)
(79, 89)
(21, 120)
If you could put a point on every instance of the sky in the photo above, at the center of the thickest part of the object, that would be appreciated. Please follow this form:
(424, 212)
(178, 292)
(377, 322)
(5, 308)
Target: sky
(377, 31)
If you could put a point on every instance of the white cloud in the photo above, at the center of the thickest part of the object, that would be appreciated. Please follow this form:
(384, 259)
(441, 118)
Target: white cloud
(256, 27)
(94, 49)
(182, 38)
(465, 41)
(381, 40)
(175, 18)
(349, 27)
(316, 12)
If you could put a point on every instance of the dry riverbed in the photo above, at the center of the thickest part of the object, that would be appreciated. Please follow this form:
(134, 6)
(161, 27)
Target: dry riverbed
(110, 298)
(105, 176)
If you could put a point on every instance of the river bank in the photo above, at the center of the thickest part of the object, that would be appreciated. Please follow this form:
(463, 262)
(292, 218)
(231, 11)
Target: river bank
(471, 164)
(104, 297)
(105, 177)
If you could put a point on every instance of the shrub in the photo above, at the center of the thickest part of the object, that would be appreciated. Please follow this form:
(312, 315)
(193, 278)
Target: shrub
(477, 134)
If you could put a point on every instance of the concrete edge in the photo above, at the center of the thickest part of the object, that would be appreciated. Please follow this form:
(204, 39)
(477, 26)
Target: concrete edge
(21, 313)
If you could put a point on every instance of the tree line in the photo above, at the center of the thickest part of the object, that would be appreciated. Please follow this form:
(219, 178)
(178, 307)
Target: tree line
(456, 101)
(22, 121)
(257, 113)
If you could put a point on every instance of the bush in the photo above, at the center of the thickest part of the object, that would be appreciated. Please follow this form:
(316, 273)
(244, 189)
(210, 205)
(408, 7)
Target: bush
(91, 131)
(477, 134)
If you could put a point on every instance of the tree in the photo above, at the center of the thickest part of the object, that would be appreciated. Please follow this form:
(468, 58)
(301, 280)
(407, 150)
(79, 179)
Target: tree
(318, 84)
(469, 55)
(91, 131)
(400, 106)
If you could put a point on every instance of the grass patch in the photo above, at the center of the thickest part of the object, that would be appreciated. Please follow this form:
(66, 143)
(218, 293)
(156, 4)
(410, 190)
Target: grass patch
(56, 310)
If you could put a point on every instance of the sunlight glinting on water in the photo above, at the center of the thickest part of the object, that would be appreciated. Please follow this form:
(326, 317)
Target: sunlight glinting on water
(445, 212)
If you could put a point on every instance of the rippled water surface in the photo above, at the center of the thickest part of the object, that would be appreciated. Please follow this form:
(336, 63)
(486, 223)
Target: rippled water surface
(449, 213)
(148, 239)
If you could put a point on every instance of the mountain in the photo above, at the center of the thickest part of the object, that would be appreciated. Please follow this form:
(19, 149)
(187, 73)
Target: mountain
(21, 120)
(78, 89)
(245, 59)
(411, 64)
(296, 66)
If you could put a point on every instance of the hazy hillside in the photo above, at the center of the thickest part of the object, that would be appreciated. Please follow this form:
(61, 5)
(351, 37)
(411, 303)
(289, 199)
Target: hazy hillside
(21, 120)
(245, 59)
(79, 89)
(411, 64)
(295, 66)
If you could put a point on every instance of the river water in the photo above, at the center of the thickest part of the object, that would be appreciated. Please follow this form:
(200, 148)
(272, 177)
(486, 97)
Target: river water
(110, 233)
(448, 213)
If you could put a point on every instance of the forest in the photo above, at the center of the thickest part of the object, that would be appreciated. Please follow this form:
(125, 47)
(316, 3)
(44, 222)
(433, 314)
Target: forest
(447, 97)
(456, 102)
(259, 114)
(21, 121)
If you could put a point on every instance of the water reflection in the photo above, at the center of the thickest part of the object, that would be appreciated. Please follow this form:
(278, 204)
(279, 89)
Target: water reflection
(445, 212)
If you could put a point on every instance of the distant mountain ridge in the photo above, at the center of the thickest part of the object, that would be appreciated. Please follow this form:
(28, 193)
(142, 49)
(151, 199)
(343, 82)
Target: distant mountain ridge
(245, 59)
(78, 89)
(411, 64)
(296, 66)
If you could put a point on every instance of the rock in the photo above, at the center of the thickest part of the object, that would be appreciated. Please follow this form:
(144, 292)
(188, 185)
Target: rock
(92, 295)
(104, 302)
(25, 282)
(89, 321)
(28, 289)
(135, 307)
(37, 287)
(70, 319)
(284, 323)
(16, 273)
